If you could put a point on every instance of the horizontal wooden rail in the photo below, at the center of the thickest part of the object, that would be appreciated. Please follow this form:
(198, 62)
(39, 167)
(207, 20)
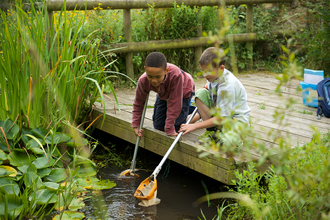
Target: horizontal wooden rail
(130, 47)
(56, 5)
(175, 44)
(182, 43)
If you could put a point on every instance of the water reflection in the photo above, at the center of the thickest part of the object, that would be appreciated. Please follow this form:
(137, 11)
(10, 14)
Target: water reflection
(177, 192)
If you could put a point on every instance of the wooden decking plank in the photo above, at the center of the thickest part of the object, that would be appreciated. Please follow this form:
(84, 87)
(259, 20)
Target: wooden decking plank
(260, 89)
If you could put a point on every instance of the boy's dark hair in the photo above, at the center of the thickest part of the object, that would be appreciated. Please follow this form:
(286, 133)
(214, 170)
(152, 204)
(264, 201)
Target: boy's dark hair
(214, 56)
(156, 59)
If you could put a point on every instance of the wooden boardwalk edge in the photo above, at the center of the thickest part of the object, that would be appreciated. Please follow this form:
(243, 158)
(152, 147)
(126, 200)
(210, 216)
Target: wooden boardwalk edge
(158, 142)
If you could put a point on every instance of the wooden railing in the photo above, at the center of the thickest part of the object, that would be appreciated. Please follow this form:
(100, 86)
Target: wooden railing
(198, 42)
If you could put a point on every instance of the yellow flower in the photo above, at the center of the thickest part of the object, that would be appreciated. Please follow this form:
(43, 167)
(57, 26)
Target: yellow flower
(177, 6)
(120, 36)
(216, 6)
(100, 3)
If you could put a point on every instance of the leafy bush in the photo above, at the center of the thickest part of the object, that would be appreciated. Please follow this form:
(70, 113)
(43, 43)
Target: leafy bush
(316, 38)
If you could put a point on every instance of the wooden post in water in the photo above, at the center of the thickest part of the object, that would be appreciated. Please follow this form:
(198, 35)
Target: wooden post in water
(249, 27)
(128, 38)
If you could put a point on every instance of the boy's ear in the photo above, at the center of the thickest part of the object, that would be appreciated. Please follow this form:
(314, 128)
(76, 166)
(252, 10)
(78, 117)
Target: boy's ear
(166, 71)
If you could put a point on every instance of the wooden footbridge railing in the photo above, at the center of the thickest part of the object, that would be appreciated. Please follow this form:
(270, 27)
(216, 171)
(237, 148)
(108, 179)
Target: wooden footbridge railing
(198, 42)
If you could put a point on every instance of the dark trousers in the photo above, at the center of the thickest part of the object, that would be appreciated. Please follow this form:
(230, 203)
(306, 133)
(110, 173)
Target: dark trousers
(160, 110)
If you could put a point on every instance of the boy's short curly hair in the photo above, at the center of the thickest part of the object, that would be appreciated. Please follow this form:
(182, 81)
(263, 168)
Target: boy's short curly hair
(214, 56)
(156, 59)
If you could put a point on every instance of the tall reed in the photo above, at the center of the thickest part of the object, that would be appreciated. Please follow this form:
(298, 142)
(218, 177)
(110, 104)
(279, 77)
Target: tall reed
(48, 71)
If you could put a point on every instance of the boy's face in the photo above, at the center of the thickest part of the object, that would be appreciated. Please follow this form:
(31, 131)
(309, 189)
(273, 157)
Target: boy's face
(211, 73)
(155, 75)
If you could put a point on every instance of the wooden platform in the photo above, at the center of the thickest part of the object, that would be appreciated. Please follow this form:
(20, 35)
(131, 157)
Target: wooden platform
(262, 101)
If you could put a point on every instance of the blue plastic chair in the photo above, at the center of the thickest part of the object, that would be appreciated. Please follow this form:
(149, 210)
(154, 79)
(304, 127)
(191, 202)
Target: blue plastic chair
(311, 78)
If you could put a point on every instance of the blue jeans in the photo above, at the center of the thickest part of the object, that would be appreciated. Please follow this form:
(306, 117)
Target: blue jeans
(160, 110)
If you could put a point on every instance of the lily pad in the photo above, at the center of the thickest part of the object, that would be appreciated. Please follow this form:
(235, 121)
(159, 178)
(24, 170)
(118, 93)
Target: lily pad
(7, 171)
(57, 175)
(102, 184)
(43, 196)
(76, 203)
(69, 215)
(84, 182)
(14, 205)
(9, 185)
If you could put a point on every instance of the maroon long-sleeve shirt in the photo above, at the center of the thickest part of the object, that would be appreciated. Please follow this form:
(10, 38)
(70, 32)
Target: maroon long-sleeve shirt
(176, 86)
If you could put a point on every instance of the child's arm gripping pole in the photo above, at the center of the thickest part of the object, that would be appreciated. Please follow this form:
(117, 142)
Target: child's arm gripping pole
(138, 138)
(159, 167)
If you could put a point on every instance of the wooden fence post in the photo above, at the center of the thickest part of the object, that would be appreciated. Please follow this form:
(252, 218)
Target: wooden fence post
(199, 50)
(249, 27)
(128, 38)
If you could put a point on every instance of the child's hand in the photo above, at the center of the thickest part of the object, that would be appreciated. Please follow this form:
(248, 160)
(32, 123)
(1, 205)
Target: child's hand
(137, 132)
(187, 128)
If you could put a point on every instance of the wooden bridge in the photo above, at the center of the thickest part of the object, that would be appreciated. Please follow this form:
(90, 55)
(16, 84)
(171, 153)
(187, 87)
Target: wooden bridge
(262, 101)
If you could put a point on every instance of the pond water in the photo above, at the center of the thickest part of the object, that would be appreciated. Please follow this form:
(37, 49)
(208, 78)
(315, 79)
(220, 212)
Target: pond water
(178, 188)
(177, 192)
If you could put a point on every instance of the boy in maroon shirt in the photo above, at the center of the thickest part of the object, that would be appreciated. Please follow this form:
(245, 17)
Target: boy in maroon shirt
(174, 89)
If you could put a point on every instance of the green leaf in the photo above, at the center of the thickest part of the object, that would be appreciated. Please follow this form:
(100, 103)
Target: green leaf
(7, 171)
(57, 175)
(3, 156)
(86, 183)
(30, 179)
(86, 172)
(40, 132)
(33, 143)
(102, 184)
(51, 185)
(43, 196)
(43, 162)
(76, 203)
(74, 143)
(20, 158)
(4, 148)
(14, 205)
(11, 129)
(23, 168)
(44, 172)
(69, 215)
(58, 138)
(9, 185)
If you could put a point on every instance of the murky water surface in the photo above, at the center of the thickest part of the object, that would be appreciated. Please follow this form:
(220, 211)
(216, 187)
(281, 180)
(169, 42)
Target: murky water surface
(177, 192)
